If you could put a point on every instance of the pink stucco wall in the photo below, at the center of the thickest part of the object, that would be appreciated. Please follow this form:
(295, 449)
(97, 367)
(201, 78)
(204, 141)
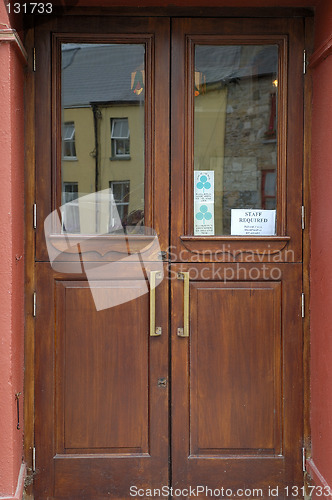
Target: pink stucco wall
(11, 259)
(321, 262)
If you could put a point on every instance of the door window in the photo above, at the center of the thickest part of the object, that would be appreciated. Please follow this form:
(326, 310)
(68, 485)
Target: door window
(235, 90)
(102, 86)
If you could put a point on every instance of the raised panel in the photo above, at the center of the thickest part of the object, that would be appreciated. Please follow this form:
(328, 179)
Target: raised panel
(102, 367)
(235, 368)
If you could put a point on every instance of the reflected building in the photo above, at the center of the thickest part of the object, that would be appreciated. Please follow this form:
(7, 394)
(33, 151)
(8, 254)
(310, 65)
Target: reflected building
(103, 120)
(103, 92)
(235, 126)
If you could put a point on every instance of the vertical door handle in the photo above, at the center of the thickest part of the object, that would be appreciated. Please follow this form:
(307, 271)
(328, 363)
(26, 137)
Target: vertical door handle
(184, 332)
(154, 331)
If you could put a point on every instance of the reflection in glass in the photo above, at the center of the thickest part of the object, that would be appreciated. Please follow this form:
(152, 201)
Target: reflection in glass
(71, 217)
(69, 148)
(120, 138)
(102, 103)
(235, 105)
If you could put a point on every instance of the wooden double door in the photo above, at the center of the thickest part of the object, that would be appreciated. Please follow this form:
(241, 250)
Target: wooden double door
(170, 357)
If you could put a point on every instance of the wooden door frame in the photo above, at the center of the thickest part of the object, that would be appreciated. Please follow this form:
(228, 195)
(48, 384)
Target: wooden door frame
(29, 193)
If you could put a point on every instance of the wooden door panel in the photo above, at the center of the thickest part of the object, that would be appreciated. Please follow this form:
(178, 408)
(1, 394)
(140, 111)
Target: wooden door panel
(237, 401)
(99, 359)
(235, 369)
(98, 389)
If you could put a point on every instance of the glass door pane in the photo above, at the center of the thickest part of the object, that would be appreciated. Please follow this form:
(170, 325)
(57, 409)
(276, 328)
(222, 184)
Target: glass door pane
(103, 152)
(235, 139)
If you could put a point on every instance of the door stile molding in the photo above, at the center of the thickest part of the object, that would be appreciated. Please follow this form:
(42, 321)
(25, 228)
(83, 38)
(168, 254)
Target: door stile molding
(29, 189)
(309, 46)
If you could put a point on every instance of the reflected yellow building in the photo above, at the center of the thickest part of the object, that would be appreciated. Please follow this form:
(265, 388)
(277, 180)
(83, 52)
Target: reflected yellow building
(102, 137)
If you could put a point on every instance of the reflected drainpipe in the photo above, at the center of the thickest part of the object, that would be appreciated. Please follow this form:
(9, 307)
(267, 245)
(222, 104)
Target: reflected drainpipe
(96, 117)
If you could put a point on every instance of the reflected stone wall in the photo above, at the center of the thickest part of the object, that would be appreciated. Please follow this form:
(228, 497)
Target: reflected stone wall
(249, 149)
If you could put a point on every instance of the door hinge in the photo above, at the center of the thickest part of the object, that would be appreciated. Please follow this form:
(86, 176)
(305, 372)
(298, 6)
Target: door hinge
(303, 217)
(34, 59)
(35, 215)
(304, 62)
(34, 307)
(303, 304)
(304, 459)
(33, 459)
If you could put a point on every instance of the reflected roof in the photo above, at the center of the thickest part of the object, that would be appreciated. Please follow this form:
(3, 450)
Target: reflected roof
(221, 63)
(94, 73)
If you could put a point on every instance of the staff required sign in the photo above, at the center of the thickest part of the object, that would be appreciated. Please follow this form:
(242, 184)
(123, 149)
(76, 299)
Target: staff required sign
(253, 222)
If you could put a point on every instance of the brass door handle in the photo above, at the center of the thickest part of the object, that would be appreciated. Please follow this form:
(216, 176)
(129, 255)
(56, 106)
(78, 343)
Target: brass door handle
(154, 331)
(184, 332)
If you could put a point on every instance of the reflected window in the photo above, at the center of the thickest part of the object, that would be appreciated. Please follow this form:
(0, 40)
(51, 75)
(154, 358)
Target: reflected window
(120, 138)
(69, 148)
(120, 191)
(70, 214)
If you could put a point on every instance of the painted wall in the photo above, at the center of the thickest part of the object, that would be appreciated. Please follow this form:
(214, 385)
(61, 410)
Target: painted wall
(81, 170)
(321, 264)
(11, 260)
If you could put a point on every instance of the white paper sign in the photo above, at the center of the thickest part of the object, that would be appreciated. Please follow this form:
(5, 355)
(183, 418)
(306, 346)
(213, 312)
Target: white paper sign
(254, 222)
(204, 202)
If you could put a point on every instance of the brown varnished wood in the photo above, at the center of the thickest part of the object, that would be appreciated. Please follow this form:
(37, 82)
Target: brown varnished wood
(236, 377)
(29, 265)
(235, 369)
(101, 418)
(43, 132)
(177, 11)
(97, 363)
(309, 29)
(236, 247)
(186, 32)
(97, 388)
